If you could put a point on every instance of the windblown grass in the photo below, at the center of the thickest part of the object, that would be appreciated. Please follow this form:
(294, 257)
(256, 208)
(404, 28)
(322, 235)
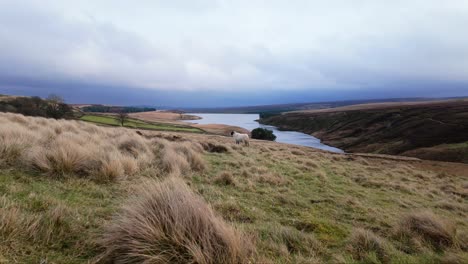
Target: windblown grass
(65, 148)
(167, 223)
(296, 204)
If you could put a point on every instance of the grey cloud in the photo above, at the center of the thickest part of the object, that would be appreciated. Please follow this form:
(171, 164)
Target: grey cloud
(213, 47)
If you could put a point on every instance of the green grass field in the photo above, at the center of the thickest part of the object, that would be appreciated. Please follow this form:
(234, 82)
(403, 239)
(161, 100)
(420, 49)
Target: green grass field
(135, 123)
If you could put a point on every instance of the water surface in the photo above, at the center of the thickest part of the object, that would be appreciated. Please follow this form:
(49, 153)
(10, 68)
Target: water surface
(247, 121)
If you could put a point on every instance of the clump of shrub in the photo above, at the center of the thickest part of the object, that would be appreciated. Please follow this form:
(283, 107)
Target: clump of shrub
(165, 222)
(263, 133)
(54, 106)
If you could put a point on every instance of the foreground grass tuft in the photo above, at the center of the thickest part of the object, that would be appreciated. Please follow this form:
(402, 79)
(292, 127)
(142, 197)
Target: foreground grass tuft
(167, 223)
(364, 244)
(426, 227)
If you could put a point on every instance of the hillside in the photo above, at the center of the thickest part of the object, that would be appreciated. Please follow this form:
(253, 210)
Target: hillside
(278, 108)
(430, 130)
(74, 192)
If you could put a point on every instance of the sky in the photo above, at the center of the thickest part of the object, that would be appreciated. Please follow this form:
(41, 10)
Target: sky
(202, 53)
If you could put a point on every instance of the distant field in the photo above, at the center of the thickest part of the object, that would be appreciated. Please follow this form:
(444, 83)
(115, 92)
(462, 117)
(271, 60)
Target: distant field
(135, 123)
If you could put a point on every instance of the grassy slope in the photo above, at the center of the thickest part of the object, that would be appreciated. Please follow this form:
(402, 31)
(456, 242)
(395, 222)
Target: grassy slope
(457, 152)
(135, 123)
(87, 205)
(296, 201)
(325, 196)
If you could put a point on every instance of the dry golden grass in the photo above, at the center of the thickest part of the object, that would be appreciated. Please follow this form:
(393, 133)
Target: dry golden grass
(294, 245)
(225, 178)
(40, 228)
(63, 148)
(363, 242)
(167, 223)
(426, 228)
(11, 219)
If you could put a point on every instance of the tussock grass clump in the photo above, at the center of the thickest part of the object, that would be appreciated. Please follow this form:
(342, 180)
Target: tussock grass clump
(50, 227)
(10, 219)
(311, 164)
(298, 152)
(191, 153)
(225, 178)
(462, 239)
(62, 157)
(363, 242)
(53, 224)
(430, 229)
(167, 223)
(453, 258)
(233, 212)
(291, 242)
(214, 147)
(272, 179)
(173, 162)
(13, 142)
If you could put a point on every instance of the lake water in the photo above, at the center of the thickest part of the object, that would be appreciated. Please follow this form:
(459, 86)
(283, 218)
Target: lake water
(247, 121)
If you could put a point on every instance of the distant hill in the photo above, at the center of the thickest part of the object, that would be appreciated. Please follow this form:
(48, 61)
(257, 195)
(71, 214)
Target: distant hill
(278, 108)
(114, 109)
(430, 130)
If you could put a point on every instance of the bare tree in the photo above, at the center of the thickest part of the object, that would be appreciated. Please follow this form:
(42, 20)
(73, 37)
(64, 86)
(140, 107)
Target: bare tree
(56, 107)
(122, 117)
(54, 98)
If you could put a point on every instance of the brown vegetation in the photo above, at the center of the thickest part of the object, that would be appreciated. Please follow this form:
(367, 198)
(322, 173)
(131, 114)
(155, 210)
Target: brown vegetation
(167, 223)
(225, 178)
(363, 242)
(61, 148)
(426, 227)
(429, 130)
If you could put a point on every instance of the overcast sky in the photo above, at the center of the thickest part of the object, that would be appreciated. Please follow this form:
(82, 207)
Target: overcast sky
(224, 52)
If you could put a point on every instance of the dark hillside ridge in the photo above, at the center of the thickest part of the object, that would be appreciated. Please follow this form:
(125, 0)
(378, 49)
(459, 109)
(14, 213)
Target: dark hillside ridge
(278, 108)
(432, 130)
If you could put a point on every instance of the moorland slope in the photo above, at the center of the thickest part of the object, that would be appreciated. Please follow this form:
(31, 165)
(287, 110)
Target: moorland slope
(434, 130)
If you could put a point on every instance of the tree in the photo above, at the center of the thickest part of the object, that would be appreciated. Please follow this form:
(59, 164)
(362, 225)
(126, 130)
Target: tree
(122, 117)
(263, 133)
(56, 107)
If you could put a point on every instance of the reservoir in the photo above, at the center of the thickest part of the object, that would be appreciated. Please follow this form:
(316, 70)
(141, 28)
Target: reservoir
(247, 121)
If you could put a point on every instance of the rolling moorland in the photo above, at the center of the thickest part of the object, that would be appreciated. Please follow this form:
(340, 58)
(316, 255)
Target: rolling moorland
(434, 130)
(75, 192)
(278, 108)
